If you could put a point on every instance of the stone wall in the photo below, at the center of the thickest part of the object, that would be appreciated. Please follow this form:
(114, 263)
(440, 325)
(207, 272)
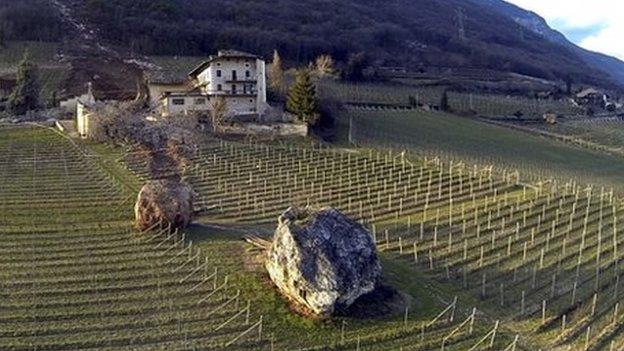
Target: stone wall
(273, 129)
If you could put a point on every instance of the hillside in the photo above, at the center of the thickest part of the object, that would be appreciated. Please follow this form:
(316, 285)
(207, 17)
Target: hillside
(416, 34)
(530, 20)
(449, 33)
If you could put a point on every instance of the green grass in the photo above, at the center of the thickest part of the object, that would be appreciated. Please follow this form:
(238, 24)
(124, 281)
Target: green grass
(224, 245)
(464, 138)
(109, 158)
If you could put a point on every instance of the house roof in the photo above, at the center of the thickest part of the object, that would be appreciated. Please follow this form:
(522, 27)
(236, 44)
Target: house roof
(189, 93)
(223, 54)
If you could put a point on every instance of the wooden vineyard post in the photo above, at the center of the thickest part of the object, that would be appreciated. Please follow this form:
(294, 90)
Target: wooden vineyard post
(494, 334)
(405, 317)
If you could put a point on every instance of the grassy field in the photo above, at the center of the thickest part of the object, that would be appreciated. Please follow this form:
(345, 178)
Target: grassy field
(389, 94)
(543, 259)
(76, 276)
(465, 139)
(68, 250)
(607, 131)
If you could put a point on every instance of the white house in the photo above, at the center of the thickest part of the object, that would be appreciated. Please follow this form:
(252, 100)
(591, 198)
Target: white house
(238, 77)
(84, 103)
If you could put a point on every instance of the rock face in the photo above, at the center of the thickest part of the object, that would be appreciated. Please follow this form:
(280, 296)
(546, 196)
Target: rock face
(168, 200)
(322, 260)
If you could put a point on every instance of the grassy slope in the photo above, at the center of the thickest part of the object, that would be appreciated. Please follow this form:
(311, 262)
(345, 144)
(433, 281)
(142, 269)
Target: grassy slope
(469, 139)
(224, 248)
(224, 245)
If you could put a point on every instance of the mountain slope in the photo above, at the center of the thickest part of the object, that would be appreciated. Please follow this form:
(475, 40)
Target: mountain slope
(447, 33)
(411, 33)
(610, 65)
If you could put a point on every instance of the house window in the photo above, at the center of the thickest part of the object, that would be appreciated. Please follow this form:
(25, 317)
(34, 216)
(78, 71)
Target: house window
(219, 87)
(200, 101)
(218, 73)
(177, 102)
(247, 74)
(251, 100)
(233, 88)
(234, 75)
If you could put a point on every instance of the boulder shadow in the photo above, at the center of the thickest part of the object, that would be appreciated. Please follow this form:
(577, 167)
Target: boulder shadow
(383, 302)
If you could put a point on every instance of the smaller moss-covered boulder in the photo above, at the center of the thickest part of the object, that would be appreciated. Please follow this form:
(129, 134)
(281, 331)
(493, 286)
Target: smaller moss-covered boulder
(167, 201)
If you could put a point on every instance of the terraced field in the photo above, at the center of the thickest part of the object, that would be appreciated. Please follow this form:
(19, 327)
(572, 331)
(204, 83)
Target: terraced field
(607, 131)
(452, 137)
(540, 261)
(74, 275)
(544, 259)
(388, 96)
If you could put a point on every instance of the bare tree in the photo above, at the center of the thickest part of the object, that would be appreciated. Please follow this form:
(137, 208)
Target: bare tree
(324, 66)
(219, 112)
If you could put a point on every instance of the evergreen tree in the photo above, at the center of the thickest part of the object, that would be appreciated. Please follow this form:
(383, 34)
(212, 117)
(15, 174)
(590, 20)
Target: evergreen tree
(355, 67)
(276, 74)
(2, 36)
(444, 102)
(302, 100)
(25, 96)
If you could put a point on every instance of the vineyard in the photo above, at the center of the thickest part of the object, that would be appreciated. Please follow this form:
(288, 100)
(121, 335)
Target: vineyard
(544, 259)
(606, 131)
(488, 261)
(456, 138)
(74, 274)
(375, 96)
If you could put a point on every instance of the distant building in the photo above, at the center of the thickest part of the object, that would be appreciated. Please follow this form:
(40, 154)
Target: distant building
(84, 105)
(238, 77)
(592, 98)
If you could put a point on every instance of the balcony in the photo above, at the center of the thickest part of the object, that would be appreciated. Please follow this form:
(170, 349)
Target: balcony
(248, 93)
(242, 80)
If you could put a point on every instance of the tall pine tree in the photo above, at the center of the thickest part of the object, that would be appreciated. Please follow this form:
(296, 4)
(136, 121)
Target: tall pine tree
(444, 102)
(25, 96)
(2, 36)
(302, 100)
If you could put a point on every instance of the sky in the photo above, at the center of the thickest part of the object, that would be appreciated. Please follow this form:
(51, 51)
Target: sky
(597, 25)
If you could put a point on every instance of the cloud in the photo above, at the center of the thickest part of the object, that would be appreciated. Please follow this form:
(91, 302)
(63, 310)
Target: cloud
(595, 25)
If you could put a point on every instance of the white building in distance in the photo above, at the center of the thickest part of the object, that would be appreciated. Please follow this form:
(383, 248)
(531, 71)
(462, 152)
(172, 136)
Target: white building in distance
(238, 77)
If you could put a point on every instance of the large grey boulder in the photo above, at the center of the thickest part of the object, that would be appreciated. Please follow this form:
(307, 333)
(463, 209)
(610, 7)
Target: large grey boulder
(321, 260)
(167, 201)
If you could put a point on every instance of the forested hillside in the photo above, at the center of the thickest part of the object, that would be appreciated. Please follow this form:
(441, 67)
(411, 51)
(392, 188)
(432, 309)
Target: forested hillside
(34, 20)
(412, 33)
(396, 32)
